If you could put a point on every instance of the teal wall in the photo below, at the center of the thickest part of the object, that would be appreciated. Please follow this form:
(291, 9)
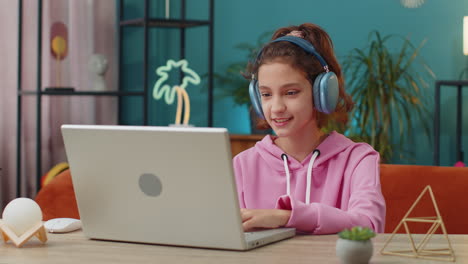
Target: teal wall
(347, 22)
(163, 44)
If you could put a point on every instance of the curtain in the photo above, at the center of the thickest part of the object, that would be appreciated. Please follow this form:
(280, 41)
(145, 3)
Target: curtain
(91, 26)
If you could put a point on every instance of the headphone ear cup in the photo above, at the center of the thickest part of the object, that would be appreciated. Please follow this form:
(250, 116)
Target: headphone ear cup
(326, 92)
(317, 93)
(255, 98)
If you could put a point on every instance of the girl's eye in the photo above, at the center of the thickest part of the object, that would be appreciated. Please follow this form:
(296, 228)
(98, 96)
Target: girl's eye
(292, 92)
(265, 94)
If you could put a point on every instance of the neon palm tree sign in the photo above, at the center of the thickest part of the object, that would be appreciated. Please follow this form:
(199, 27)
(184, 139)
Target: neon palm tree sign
(161, 89)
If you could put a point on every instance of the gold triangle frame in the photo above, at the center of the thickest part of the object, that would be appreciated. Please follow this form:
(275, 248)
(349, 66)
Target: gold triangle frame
(37, 230)
(419, 251)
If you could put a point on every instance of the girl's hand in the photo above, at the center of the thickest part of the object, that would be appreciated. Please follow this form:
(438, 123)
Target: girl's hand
(264, 218)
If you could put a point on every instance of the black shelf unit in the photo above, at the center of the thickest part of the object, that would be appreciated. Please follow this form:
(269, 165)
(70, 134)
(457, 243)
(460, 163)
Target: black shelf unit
(174, 23)
(459, 84)
(144, 22)
(83, 93)
(39, 93)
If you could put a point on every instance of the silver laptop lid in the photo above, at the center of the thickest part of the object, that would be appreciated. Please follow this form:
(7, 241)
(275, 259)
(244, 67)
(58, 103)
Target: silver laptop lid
(163, 185)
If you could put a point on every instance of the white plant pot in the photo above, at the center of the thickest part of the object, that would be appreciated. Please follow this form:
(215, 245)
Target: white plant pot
(354, 252)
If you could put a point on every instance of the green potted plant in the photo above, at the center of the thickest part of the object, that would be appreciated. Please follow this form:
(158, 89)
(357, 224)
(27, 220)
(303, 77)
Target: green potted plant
(234, 84)
(354, 245)
(389, 92)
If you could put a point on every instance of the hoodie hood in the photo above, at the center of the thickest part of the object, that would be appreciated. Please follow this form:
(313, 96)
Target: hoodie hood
(334, 144)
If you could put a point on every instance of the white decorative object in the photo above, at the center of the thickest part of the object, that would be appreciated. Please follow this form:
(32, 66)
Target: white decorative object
(98, 66)
(22, 219)
(21, 214)
(353, 251)
(412, 3)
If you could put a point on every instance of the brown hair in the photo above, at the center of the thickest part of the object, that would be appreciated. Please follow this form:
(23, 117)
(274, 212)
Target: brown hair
(308, 63)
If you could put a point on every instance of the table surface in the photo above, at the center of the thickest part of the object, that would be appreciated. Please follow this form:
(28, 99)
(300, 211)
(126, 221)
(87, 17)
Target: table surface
(76, 248)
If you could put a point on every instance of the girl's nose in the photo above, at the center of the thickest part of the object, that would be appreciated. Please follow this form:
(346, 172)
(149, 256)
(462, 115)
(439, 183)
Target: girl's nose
(278, 105)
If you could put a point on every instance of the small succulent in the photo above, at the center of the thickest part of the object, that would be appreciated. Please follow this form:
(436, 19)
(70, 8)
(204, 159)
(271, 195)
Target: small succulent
(357, 233)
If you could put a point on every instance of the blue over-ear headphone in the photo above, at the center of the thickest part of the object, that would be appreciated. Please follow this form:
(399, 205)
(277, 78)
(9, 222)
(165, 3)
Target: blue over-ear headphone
(325, 88)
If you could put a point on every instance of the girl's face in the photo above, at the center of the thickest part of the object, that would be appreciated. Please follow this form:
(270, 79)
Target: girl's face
(286, 99)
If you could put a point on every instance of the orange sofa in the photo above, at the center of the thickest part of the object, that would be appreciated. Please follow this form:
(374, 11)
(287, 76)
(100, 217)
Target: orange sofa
(401, 185)
(57, 198)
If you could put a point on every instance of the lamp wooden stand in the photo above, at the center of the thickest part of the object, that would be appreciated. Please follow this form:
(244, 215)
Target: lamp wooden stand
(37, 230)
(420, 251)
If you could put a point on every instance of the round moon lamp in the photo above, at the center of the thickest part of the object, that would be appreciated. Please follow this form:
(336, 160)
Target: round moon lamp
(22, 219)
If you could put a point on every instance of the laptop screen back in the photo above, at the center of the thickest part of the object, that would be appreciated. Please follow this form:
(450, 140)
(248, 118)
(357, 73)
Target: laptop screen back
(163, 185)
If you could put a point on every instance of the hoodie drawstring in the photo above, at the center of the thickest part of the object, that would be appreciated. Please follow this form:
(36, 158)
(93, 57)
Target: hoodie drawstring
(309, 175)
(284, 157)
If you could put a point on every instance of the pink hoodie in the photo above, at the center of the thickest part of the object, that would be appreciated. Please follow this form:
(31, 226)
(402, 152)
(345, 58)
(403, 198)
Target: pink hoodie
(344, 185)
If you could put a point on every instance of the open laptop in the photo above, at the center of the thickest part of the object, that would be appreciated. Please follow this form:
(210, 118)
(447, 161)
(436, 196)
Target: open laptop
(161, 185)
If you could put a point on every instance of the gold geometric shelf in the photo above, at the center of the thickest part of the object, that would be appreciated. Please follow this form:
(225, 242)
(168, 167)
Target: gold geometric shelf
(38, 230)
(420, 251)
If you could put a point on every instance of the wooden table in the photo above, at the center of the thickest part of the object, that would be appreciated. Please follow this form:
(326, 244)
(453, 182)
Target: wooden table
(75, 248)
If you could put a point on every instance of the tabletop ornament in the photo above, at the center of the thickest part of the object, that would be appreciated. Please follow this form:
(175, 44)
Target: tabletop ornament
(354, 246)
(22, 219)
(97, 66)
(163, 89)
(421, 250)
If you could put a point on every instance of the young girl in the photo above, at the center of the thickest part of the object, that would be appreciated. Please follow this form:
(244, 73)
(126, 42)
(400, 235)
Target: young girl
(318, 183)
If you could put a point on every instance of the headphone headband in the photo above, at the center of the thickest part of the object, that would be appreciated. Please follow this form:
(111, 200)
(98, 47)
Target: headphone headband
(302, 43)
